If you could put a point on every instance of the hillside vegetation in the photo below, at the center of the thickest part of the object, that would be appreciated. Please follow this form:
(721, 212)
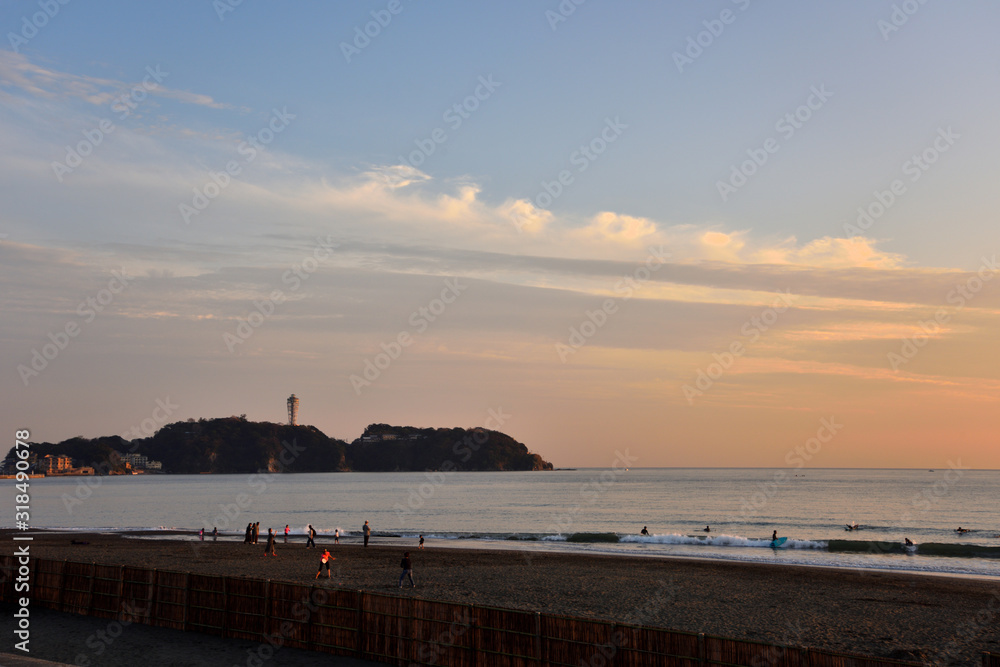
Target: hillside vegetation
(235, 445)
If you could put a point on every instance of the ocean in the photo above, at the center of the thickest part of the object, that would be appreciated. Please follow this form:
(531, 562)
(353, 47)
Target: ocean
(579, 511)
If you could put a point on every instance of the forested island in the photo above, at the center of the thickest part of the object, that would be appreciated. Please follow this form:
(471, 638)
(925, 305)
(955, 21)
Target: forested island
(236, 445)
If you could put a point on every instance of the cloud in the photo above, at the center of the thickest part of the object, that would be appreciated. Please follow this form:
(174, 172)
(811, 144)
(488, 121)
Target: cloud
(525, 216)
(393, 177)
(619, 228)
(18, 72)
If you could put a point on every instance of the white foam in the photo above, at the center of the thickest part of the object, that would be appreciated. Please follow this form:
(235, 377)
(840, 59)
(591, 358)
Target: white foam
(718, 541)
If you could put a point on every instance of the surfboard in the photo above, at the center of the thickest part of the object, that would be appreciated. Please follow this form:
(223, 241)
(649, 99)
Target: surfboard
(778, 542)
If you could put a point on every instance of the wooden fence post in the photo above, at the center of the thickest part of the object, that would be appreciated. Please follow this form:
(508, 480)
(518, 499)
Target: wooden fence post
(121, 593)
(225, 607)
(312, 615)
(187, 601)
(267, 609)
(473, 636)
(34, 575)
(538, 638)
(614, 659)
(151, 604)
(62, 587)
(360, 650)
(805, 658)
(411, 649)
(90, 595)
(702, 657)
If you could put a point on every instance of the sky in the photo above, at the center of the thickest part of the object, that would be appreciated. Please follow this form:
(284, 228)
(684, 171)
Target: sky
(726, 233)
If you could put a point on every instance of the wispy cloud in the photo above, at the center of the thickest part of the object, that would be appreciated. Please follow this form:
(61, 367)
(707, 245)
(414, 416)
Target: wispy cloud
(18, 73)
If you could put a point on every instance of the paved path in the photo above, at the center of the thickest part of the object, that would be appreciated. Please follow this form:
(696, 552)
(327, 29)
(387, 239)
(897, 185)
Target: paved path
(8, 660)
(69, 639)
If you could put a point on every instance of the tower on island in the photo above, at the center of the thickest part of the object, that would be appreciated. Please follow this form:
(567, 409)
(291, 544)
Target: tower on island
(293, 410)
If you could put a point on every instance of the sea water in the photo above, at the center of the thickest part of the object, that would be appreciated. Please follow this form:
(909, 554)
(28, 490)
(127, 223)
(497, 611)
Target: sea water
(587, 510)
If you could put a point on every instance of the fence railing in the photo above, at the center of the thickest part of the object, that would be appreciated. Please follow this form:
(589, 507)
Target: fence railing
(391, 629)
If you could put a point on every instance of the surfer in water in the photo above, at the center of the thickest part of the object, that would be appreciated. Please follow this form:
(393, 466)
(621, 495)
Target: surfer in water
(774, 536)
(707, 529)
(644, 531)
(908, 541)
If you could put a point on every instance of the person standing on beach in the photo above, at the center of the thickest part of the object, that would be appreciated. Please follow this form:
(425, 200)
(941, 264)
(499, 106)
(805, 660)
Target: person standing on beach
(367, 531)
(215, 533)
(246, 538)
(324, 561)
(336, 535)
(421, 545)
(201, 534)
(256, 532)
(407, 570)
(286, 533)
(311, 539)
(269, 549)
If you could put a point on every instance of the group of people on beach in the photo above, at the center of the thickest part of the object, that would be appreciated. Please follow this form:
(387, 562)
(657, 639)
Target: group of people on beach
(253, 531)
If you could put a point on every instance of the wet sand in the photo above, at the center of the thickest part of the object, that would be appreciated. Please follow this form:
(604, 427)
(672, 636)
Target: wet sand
(933, 619)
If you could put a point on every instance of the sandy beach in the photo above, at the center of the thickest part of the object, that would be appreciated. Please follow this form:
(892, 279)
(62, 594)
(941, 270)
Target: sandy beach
(932, 619)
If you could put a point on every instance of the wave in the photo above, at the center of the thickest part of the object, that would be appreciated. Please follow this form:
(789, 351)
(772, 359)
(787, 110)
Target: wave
(720, 541)
(924, 549)
(859, 547)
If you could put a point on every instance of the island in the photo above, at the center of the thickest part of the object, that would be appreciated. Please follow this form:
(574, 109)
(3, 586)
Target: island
(235, 445)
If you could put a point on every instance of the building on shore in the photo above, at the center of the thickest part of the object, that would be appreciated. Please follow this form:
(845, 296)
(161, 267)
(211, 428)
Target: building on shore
(140, 462)
(55, 464)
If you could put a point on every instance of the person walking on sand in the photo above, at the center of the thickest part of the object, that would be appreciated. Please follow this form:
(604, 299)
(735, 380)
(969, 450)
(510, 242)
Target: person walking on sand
(215, 533)
(286, 533)
(421, 545)
(336, 535)
(201, 534)
(311, 539)
(269, 548)
(324, 560)
(407, 570)
(367, 531)
(256, 532)
(246, 538)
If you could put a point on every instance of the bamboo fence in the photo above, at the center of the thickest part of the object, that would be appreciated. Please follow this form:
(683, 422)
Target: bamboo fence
(389, 629)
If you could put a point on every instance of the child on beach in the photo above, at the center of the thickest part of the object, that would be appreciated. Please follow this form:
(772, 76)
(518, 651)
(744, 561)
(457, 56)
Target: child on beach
(324, 560)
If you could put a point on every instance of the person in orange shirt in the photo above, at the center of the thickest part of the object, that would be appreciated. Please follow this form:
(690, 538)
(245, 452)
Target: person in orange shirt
(325, 561)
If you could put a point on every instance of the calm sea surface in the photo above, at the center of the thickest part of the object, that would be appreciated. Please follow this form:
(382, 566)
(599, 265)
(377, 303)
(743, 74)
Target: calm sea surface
(587, 510)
